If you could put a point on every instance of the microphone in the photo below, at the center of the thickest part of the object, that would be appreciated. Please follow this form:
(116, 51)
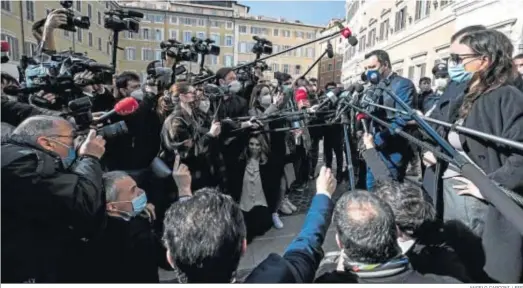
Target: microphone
(4, 49)
(362, 117)
(301, 96)
(331, 98)
(347, 33)
(124, 107)
(330, 53)
(135, 14)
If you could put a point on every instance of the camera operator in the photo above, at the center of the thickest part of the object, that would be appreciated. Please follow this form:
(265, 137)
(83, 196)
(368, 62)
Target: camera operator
(43, 30)
(52, 199)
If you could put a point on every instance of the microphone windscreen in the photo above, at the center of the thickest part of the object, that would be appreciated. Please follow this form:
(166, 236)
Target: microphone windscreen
(126, 106)
(4, 46)
(358, 88)
(353, 41)
(360, 116)
(301, 95)
(332, 96)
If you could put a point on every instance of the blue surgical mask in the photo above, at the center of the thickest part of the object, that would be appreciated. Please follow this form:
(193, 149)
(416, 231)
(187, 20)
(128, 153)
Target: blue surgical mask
(373, 76)
(139, 202)
(458, 74)
(71, 155)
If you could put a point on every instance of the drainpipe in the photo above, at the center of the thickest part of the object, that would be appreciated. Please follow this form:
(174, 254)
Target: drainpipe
(23, 27)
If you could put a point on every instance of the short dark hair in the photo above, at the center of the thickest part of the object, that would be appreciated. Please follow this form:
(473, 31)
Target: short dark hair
(519, 56)
(409, 205)
(204, 236)
(123, 79)
(383, 57)
(222, 73)
(466, 30)
(7, 77)
(366, 228)
(330, 84)
(425, 79)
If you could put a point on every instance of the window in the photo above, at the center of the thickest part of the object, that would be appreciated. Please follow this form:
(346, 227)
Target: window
(188, 21)
(216, 38)
(229, 40)
(422, 9)
(259, 31)
(90, 39)
(399, 72)
(297, 70)
(147, 54)
(174, 20)
(242, 29)
(149, 17)
(286, 68)
(286, 33)
(275, 67)
(200, 35)
(187, 36)
(275, 32)
(372, 38)
(362, 43)
(79, 6)
(214, 59)
(14, 53)
(285, 47)
(384, 30)
(201, 22)
(297, 52)
(6, 5)
(444, 3)
(329, 68)
(130, 35)
(422, 68)
(145, 34)
(158, 54)
(99, 18)
(174, 34)
(310, 35)
(80, 35)
(228, 25)
(411, 72)
(30, 10)
(89, 11)
(158, 18)
(275, 48)
(99, 43)
(130, 53)
(401, 19)
(228, 60)
(338, 65)
(30, 49)
(66, 34)
(159, 35)
(214, 24)
(299, 34)
(242, 46)
(310, 52)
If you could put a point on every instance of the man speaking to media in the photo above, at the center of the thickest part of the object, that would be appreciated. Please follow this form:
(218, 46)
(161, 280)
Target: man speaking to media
(394, 150)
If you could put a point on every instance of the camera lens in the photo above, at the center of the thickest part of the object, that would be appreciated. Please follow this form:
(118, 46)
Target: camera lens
(82, 22)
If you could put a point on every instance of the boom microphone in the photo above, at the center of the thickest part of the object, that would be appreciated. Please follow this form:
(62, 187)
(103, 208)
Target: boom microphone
(330, 53)
(124, 107)
(5, 50)
(347, 33)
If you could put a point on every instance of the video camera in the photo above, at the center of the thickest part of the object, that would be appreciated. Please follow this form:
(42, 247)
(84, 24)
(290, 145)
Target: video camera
(178, 51)
(262, 46)
(73, 21)
(121, 20)
(161, 76)
(204, 47)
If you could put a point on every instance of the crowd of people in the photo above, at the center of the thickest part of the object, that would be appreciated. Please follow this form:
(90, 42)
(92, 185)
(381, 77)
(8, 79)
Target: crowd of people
(79, 207)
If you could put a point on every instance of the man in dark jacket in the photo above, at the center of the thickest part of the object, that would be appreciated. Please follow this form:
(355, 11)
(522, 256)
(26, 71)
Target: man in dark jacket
(367, 235)
(128, 236)
(52, 201)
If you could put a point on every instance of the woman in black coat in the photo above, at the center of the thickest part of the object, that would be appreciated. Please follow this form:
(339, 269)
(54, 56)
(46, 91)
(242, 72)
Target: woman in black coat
(482, 61)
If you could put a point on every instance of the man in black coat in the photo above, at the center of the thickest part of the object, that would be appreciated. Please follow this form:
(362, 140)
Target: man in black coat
(52, 201)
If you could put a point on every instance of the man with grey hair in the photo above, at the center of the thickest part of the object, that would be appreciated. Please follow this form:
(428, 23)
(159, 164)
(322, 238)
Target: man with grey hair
(127, 236)
(52, 200)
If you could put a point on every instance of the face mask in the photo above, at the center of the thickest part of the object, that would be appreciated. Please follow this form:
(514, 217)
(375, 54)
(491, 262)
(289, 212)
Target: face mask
(235, 87)
(205, 105)
(520, 70)
(194, 104)
(440, 83)
(139, 202)
(458, 74)
(373, 76)
(71, 155)
(266, 100)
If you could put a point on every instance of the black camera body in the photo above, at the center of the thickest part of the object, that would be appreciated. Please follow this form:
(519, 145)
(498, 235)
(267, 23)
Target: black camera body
(205, 47)
(262, 46)
(73, 21)
(121, 20)
(179, 51)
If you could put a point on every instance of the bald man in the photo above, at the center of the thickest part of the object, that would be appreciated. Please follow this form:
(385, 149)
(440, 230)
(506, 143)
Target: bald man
(52, 199)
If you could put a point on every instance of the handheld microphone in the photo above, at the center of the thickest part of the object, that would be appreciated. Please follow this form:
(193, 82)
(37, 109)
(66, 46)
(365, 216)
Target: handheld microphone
(347, 34)
(4, 49)
(124, 107)
(331, 98)
(301, 97)
(330, 53)
(362, 117)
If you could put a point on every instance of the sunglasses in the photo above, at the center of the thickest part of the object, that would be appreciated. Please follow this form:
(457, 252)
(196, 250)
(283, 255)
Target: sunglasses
(458, 58)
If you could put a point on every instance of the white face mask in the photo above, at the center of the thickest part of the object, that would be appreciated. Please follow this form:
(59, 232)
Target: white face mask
(441, 83)
(205, 105)
(235, 87)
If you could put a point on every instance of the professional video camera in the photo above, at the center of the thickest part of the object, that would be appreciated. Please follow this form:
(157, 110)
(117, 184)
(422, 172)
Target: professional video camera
(204, 47)
(178, 51)
(161, 76)
(262, 46)
(73, 21)
(120, 20)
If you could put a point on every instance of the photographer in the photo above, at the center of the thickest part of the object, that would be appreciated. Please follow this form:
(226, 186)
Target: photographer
(43, 30)
(52, 200)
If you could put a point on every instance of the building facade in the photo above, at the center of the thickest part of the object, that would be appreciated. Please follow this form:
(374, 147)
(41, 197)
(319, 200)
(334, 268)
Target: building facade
(416, 34)
(330, 69)
(228, 23)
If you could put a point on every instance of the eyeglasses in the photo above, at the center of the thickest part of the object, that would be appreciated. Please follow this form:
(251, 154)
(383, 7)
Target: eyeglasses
(73, 135)
(458, 58)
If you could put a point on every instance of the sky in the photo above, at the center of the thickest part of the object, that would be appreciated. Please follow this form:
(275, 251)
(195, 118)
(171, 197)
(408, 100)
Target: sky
(309, 12)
